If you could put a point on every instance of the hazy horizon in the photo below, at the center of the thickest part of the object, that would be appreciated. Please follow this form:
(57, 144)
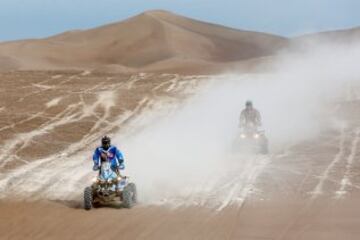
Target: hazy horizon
(42, 18)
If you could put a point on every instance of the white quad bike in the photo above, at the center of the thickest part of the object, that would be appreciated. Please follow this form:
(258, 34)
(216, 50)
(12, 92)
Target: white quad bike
(110, 187)
(251, 140)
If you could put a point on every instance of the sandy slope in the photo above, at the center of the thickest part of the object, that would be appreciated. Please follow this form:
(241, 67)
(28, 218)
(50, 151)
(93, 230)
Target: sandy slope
(138, 42)
(73, 108)
(309, 191)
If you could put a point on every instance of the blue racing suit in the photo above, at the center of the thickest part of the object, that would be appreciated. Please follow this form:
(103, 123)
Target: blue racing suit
(113, 155)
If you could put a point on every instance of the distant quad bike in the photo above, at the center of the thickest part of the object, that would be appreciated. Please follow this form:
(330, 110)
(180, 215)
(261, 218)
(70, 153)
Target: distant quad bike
(110, 187)
(251, 140)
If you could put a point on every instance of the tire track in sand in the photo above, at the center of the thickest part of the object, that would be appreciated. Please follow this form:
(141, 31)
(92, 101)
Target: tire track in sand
(319, 188)
(346, 181)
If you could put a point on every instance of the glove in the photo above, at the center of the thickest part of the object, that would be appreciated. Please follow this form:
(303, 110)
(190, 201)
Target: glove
(96, 168)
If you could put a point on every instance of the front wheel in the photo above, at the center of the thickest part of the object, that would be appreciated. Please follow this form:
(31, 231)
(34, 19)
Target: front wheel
(129, 195)
(88, 198)
(132, 186)
(264, 147)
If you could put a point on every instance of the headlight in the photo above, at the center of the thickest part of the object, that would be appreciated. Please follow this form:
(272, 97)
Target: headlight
(95, 179)
(256, 135)
(243, 136)
(119, 179)
(109, 180)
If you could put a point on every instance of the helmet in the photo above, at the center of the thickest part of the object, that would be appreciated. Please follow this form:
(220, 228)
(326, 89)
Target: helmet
(105, 142)
(248, 103)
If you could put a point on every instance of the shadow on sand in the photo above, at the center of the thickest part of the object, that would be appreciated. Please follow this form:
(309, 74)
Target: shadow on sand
(79, 205)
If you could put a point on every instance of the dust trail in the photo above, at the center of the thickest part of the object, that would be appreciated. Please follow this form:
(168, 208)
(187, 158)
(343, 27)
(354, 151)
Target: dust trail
(180, 156)
(174, 154)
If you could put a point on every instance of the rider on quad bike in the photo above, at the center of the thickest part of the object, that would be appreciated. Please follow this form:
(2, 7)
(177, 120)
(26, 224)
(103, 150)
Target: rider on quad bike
(109, 186)
(251, 136)
(109, 152)
(249, 116)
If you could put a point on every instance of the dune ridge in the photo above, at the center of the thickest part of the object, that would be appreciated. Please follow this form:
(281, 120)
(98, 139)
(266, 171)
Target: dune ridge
(152, 41)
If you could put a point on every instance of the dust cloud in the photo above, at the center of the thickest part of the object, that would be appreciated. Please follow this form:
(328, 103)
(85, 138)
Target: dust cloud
(180, 149)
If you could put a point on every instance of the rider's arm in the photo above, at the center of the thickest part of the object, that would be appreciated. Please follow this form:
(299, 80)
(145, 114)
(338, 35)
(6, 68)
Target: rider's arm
(242, 119)
(120, 158)
(258, 118)
(96, 156)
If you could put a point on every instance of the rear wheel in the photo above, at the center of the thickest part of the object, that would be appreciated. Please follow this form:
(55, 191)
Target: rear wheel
(88, 198)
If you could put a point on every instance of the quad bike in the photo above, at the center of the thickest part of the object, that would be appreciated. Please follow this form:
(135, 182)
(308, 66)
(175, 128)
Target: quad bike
(109, 187)
(251, 140)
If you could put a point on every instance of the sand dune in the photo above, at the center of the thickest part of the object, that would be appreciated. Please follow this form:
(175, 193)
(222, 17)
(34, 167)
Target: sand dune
(141, 42)
(344, 36)
(155, 41)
